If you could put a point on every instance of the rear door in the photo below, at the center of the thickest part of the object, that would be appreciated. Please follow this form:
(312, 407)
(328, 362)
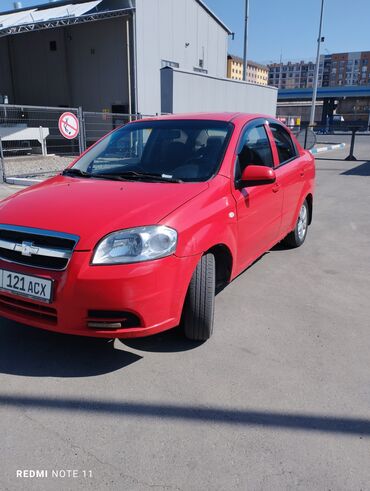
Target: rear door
(289, 173)
(258, 207)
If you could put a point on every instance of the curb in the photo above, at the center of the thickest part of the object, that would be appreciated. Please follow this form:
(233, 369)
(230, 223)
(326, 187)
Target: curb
(328, 148)
(22, 181)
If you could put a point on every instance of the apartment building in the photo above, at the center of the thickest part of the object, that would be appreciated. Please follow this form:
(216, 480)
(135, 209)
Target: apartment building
(349, 69)
(291, 75)
(256, 73)
(334, 69)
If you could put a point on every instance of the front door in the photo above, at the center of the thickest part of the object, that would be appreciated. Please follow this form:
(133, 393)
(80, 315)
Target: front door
(258, 207)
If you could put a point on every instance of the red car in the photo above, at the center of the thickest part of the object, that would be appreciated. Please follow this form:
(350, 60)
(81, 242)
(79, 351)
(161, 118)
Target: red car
(137, 235)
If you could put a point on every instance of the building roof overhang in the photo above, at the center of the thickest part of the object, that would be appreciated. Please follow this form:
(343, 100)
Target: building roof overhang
(58, 14)
(64, 13)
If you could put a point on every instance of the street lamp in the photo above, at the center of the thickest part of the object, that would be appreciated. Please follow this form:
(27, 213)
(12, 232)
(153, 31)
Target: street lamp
(245, 40)
(316, 80)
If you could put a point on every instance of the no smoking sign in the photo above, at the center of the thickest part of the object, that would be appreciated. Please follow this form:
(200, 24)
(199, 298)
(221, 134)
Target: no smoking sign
(69, 126)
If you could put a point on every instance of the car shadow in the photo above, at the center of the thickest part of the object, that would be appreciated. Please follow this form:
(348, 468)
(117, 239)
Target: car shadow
(31, 352)
(281, 246)
(170, 341)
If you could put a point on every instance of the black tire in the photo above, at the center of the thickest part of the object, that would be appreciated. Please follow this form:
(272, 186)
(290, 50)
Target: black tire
(199, 307)
(296, 238)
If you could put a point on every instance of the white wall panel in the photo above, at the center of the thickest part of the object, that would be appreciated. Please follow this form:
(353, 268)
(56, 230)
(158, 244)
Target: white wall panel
(190, 92)
(178, 31)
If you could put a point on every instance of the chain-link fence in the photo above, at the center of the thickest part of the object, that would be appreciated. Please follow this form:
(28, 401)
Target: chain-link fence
(31, 140)
(98, 124)
(37, 142)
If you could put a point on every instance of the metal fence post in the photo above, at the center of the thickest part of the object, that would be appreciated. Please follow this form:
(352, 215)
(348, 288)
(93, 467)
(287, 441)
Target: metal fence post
(351, 157)
(2, 171)
(81, 135)
(305, 138)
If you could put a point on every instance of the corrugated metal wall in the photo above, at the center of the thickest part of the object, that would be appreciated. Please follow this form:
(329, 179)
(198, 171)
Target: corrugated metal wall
(179, 31)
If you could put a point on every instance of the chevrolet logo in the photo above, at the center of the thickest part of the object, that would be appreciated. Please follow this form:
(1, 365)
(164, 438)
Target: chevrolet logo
(26, 248)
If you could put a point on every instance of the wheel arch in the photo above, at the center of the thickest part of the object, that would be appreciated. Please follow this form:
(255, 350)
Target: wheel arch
(224, 264)
(309, 199)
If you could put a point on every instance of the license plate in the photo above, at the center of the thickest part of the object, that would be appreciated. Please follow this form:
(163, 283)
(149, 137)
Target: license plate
(25, 285)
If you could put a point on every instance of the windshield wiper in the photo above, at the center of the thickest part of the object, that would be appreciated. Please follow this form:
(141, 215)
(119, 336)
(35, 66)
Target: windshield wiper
(81, 173)
(122, 176)
(113, 177)
(75, 172)
(147, 176)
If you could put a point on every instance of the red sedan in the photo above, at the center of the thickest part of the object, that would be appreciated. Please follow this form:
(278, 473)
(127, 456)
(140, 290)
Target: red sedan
(136, 236)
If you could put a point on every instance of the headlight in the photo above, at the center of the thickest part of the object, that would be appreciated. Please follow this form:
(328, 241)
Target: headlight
(136, 244)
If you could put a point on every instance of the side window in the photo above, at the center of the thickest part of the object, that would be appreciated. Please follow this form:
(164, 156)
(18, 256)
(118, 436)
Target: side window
(284, 144)
(254, 149)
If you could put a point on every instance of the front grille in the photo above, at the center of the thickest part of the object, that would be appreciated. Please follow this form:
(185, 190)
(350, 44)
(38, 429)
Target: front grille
(37, 248)
(28, 309)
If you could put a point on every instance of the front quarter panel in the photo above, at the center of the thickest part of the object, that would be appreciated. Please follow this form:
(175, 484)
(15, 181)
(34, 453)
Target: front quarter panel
(205, 221)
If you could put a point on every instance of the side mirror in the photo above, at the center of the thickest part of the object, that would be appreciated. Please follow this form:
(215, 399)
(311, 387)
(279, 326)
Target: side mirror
(255, 175)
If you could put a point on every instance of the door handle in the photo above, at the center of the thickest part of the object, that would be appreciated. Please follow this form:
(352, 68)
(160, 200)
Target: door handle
(276, 188)
(302, 172)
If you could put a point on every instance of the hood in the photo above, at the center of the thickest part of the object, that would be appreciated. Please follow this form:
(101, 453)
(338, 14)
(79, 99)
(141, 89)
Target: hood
(92, 208)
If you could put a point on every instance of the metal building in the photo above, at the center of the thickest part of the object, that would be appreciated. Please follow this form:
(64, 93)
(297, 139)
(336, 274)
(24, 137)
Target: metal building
(107, 55)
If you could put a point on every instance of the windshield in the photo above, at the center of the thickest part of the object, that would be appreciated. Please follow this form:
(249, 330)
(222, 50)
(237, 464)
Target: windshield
(172, 150)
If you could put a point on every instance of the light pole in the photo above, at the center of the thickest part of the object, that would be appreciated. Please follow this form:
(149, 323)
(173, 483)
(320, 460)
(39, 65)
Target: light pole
(245, 40)
(316, 80)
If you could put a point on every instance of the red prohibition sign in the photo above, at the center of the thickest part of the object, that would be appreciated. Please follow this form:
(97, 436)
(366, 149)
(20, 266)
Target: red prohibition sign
(68, 125)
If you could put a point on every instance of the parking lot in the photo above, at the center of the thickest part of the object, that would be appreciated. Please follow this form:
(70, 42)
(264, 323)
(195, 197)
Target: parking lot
(278, 399)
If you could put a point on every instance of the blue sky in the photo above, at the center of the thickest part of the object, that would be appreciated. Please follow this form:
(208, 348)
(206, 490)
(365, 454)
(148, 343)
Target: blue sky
(287, 28)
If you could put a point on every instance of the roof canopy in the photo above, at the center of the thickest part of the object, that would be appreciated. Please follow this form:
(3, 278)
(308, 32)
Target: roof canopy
(65, 13)
(47, 17)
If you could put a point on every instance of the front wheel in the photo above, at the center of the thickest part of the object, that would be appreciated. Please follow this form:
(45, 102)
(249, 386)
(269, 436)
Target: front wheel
(199, 307)
(298, 235)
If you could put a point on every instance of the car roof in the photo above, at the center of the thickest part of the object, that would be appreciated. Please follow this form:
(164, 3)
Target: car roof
(206, 116)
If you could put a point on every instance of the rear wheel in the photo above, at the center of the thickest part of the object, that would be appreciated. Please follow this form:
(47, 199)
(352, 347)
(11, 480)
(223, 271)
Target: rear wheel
(198, 313)
(298, 235)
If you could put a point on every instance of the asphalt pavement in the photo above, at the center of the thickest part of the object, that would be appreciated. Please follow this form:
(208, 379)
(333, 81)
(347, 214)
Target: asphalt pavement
(279, 398)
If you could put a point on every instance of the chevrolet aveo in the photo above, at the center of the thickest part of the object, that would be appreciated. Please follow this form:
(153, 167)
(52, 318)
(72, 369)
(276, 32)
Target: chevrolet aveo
(140, 232)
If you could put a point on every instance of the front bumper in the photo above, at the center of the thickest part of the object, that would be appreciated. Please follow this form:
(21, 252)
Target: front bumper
(152, 291)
